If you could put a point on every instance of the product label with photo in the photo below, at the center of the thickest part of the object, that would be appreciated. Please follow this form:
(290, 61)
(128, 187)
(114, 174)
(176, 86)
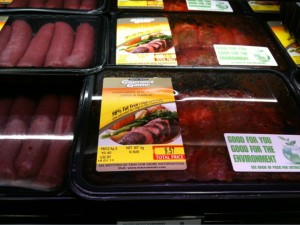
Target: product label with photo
(145, 41)
(139, 128)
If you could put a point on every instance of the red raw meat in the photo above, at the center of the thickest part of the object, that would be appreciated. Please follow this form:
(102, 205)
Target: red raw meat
(83, 49)
(61, 45)
(4, 36)
(54, 168)
(36, 52)
(18, 4)
(72, 4)
(175, 6)
(212, 163)
(37, 3)
(207, 36)
(185, 36)
(5, 104)
(20, 38)
(198, 126)
(34, 151)
(88, 4)
(242, 38)
(225, 35)
(54, 4)
(17, 124)
(197, 57)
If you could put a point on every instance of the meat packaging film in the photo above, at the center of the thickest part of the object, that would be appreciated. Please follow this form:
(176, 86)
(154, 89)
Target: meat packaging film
(38, 116)
(193, 43)
(210, 104)
(179, 6)
(53, 44)
(58, 7)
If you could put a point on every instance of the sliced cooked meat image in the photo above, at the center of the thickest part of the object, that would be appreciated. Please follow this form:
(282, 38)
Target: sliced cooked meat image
(154, 132)
(156, 45)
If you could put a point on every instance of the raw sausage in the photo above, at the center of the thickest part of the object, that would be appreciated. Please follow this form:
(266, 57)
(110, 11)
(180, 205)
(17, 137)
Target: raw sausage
(83, 50)
(4, 36)
(37, 3)
(17, 124)
(5, 104)
(33, 151)
(72, 4)
(88, 4)
(36, 52)
(54, 168)
(18, 4)
(61, 45)
(21, 35)
(54, 4)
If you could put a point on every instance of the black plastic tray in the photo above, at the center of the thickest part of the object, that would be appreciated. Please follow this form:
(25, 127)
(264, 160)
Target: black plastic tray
(253, 26)
(36, 21)
(296, 80)
(102, 7)
(89, 184)
(34, 87)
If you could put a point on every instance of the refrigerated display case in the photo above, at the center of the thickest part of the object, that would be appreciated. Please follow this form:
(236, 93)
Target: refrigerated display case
(211, 99)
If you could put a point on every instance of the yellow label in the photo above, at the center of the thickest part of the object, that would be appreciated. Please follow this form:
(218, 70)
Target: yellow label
(154, 4)
(286, 40)
(264, 6)
(139, 127)
(145, 41)
(3, 20)
(6, 1)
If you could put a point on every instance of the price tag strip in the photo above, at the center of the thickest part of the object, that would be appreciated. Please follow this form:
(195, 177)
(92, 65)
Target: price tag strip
(264, 152)
(139, 127)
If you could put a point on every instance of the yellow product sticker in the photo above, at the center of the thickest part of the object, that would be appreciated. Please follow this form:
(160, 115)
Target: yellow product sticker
(139, 128)
(264, 6)
(154, 4)
(286, 40)
(3, 20)
(6, 1)
(145, 41)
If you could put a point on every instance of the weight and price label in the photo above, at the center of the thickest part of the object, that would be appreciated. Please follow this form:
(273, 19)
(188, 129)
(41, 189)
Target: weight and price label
(139, 127)
(140, 4)
(264, 152)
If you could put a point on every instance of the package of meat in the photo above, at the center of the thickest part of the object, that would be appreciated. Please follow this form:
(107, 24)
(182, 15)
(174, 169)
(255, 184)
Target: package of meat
(37, 131)
(178, 6)
(238, 131)
(55, 6)
(199, 40)
(50, 43)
